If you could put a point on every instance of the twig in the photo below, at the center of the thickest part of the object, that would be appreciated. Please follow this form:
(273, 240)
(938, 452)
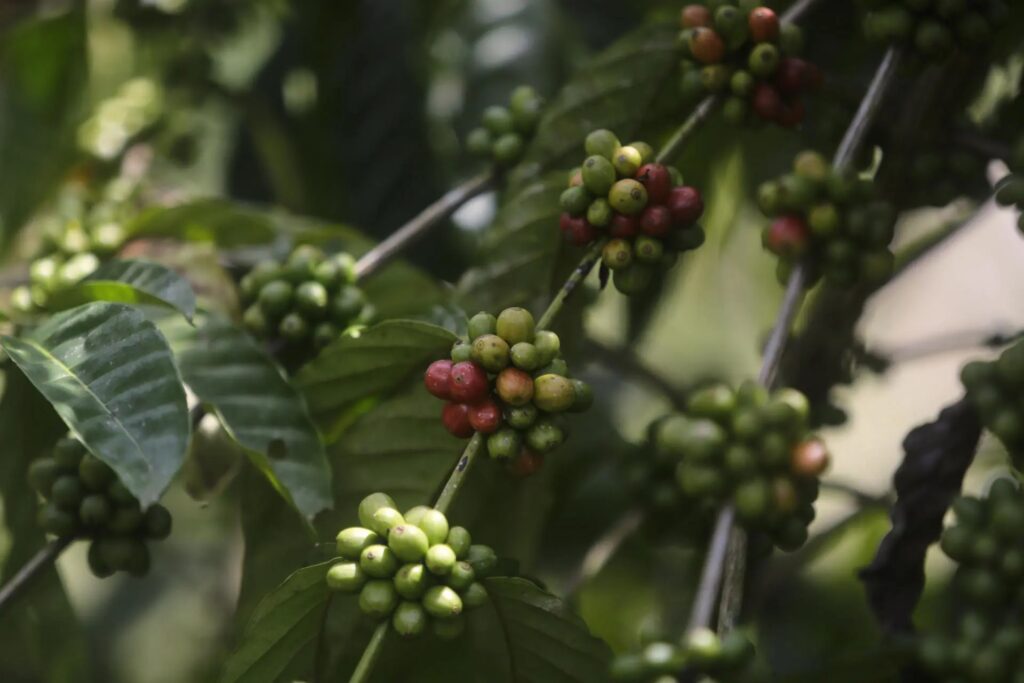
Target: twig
(869, 106)
(459, 472)
(370, 655)
(954, 341)
(372, 260)
(711, 575)
(604, 549)
(700, 114)
(797, 10)
(783, 323)
(578, 275)
(47, 554)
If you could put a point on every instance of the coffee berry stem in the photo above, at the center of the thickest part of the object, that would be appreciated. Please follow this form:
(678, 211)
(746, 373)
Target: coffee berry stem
(458, 475)
(47, 554)
(364, 669)
(586, 264)
(416, 228)
(604, 549)
(727, 551)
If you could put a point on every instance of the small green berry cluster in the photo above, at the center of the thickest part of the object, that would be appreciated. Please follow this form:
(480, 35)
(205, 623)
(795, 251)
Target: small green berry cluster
(508, 382)
(751, 449)
(702, 652)
(829, 220)
(934, 28)
(996, 389)
(505, 131)
(986, 641)
(742, 50)
(411, 568)
(310, 297)
(642, 206)
(1010, 190)
(82, 231)
(85, 499)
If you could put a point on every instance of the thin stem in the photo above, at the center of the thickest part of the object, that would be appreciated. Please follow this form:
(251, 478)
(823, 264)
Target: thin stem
(701, 114)
(370, 655)
(797, 10)
(381, 254)
(458, 475)
(783, 323)
(869, 106)
(604, 549)
(582, 270)
(711, 576)
(40, 561)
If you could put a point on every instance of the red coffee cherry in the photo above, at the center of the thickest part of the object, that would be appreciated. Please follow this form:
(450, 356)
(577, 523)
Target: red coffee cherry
(787, 236)
(436, 378)
(810, 458)
(656, 221)
(526, 463)
(579, 232)
(686, 205)
(485, 417)
(766, 103)
(514, 386)
(623, 226)
(764, 25)
(791, 114)
(467, 383)
(707, 46)
(693, 16)
(455, 417)
(790, 76)
(657, 180)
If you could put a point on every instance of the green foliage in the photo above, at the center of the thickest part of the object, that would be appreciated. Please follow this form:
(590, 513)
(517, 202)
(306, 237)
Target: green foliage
(130, 282)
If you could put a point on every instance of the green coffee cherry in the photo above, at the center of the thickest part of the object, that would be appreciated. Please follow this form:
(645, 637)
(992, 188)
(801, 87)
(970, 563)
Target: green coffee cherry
(498, 120)
(603, 143)
(370, 504)
(575, 200)
(440, 559)
(525, 356)
(520, 417)
(475, 595)
(385, 519)
(408, 542)
(255, 321)
(412, 581)
(544, 436)
(94, 510)
(442, 602)
(508, 149)
(633, 280)
(415, 515)
(378, 599)
(459, 540)
(479, 142)
(157, 522)
(351, 542)
(599, 174)
(378, 561)
(461, 352)
(67, 492)
(311, 299)
(435, 525)
(628, 196)
(548, 346)
(627, 161)
(515, 325)
(409, 619)
(347, 305)
(617, 254)
(97, 565)
(492, 352)
(599, 213)
(347, 577)
(482, 559)
(42, 474)
(482, 324)
(505, 443)
(54, 520)
(119, 493)
(553, 393)
(293, 327)
(68, 453)
(583, 396)
(461, 576)
(126, 519)
(276, 298)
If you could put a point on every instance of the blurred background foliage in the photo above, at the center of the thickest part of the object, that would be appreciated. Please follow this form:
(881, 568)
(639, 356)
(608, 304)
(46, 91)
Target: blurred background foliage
(352, 113)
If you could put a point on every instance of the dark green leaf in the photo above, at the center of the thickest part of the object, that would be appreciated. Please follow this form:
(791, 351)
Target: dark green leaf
(109, 374)
(131, 282)
(232, 374)
(285, 621)
(221, 221)
(542, 640)
(353, 369)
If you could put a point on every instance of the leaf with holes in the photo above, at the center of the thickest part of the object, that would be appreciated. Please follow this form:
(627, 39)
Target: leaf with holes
(286, 620)
(131, 282)
(109, 374)
(231, 373)
(375, 363)
(541, 639)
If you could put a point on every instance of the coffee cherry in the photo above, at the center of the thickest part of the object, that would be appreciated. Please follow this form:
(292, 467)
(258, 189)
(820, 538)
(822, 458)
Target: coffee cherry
(409, 619)
(351, 542)
(648, 249)
(448, 629)
(525, 356)
(764, 25)
(436, 378)
(491, 352)
(461, 352)
(293, 327)
(412, 581)
(42, 474)
(482, 559)
(598, 174)
(764, 60)
(408, 542)
(369, 505)
(95, 510)
(378, 599)
(440, 559)
(526, 463)
(575, 200)
(276, 298)
(515, 325)
(656, 221)
(507, 149)
(67, 492)
(68, 453)
(504, 444)
(627, 162)
(602, 142)
(548, 346)
(657, 181)
(628, 197)
(441, 602)
(467, 382)
(475, 595)
(378, 561)
(579, 232)
(686, 205)
(766, 102)
(544, 436)
(435, 525)
(694, 16)
(706, 46)
(633, 280)
(617, 254)
(553, 393)
(347, 305)
(599, 213)
(521, 417)
(497, 120)
(481, 324)
(455, 417)
(119, 493)
(787, 236)
(485, 417)
(347, 577)
(515, 387)
(583, 396)
(460, 541)
(54, 520)
(97, 564)
(623, 226)
(525, 105)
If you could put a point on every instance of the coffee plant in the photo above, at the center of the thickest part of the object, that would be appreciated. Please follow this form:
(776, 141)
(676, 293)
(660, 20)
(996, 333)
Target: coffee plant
(278, 278)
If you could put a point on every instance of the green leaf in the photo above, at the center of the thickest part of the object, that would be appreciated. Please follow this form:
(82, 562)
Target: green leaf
(354, 369)
(110, 375)
(40, 638)
(285, 621)
(231, 373)
(542, 640)
(220, 221)
(131, 282)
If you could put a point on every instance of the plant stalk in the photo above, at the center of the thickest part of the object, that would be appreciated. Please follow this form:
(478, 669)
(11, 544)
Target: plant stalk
(42, 559)
(458, 475)
(604, 549)
(416, 228)
(579, 275)
(371, 654)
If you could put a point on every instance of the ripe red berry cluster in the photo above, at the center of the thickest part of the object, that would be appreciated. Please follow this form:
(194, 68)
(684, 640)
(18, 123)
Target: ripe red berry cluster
(933, 29)
(508, 383)
(702, 651)
(620, 193)
(985, 640)
(307, 301)
(506, 130)
(85, 499)
(996, 389)
(829, 220)
(742, 50)
(752, 449)
(414, 568)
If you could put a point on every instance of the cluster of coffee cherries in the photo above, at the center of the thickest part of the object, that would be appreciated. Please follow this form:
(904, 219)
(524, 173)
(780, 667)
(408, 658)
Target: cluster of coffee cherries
(751, 449)
(933, 28)
(411, 568)
(996, 389)
(985, 642)
(643, 207)
(83, 229)
(702, 652)
(311, 297)
(831, 221)
(506, 130)
(509, 384)
(85, 499)
(742, 51)
(1010, 190)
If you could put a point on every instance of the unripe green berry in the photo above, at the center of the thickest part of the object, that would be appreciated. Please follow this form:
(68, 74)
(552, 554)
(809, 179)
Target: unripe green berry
(370, 504)
(497, 120)
(461, 576)
(119, 493)
(42, 474)
(56, 521)
(520, 417)
(347, 577)
(583, 396)
(479, 142)
(442, 602)
(648, 249)
(385, 519)
(411, 581)
(461, 351)
(324, 334)
(347, 305)
(409, 619)
(633, 280)
(602, 142)
(480, 324)
(330, 275)
(492, 352)
(526, 107)
(752, 500)
(95, 510)
(255, 321)
(482, 559)
(515, 325)
(646, 151)
(742, 83)
(575, 200)
(459, 540)
(351, 542)
(378, 599)
(67, 491)
(275, 298)
(598, 175)
(68, 453)
(508, 149)
(475, 595)
(544, 436)
(617, 254)
(435, 525)
(293, 327)
(599, 213)
(97, 564)
(157, 522)
(504, 444)
(548, 346)
(627, 161)
(378, 561)
(408, 542)
(126, 519)
(440, 559)
(553, 393)
(311, 300)
(525, 356)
